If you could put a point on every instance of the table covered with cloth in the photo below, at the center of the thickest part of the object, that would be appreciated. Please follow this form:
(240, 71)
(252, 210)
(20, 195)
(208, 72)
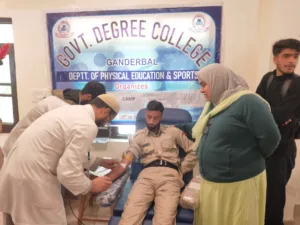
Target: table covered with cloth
(108, 197)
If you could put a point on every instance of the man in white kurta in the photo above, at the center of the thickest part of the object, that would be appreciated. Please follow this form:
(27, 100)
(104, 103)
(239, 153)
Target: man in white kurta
(42, 107)
(50, 152)
(39, 109)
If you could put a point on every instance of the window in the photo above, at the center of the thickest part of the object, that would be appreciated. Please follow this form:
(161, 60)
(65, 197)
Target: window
(8, 90)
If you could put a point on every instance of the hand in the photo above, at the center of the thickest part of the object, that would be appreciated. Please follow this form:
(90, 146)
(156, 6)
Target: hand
(287, 122)
(100, 184)
(109, 163)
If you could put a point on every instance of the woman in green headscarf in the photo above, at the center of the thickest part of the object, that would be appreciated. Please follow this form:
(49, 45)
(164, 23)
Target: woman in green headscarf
(234, 135)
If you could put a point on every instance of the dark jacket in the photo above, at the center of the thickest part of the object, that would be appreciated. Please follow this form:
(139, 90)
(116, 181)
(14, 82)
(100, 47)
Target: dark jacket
(283, 109)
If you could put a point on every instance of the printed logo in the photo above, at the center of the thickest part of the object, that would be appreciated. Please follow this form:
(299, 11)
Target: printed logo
(199, 23)
(63, 30)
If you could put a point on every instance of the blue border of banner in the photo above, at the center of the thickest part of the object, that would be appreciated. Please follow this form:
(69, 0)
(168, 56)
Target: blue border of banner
(214, 11)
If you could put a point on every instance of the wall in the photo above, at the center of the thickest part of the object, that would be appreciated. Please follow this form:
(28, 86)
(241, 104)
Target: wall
(248, 32)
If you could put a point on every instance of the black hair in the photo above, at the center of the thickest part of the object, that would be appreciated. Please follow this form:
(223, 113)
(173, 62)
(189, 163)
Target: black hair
(99, 103)
(93, 88)
(155, 106)
(280, 45)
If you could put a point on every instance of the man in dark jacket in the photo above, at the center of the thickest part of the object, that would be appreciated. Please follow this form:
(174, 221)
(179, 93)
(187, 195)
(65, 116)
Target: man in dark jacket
(75, 97)
(281, 88)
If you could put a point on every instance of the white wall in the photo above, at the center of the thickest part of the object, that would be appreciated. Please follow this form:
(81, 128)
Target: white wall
(248, 32)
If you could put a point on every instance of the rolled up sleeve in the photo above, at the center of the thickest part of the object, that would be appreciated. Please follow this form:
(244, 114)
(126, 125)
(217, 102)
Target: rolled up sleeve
(134, 148)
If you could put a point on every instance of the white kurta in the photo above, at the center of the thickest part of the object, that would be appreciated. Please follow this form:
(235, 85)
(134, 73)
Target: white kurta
(50, 151)
(40, 108)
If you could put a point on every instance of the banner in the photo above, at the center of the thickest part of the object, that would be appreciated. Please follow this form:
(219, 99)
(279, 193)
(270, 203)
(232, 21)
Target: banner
(139, 55)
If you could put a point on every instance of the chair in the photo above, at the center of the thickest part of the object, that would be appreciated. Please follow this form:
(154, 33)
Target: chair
(184, 217)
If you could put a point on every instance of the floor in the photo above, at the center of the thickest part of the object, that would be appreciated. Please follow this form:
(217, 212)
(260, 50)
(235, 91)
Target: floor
(90, 212)
(100, 212)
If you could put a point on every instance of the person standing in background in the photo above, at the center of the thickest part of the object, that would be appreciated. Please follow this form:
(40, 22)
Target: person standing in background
(75, 97)
(281, 88)
(234, 135)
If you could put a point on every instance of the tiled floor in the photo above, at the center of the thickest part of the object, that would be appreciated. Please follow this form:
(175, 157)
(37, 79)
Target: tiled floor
(100, 212)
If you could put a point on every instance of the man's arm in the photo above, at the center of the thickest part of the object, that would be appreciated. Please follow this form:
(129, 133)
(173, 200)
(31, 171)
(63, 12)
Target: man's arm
(133, 151)
(190, 159)
(119, 169)
(70, 166)
(187, 129)
(261, 89)
(288, 108)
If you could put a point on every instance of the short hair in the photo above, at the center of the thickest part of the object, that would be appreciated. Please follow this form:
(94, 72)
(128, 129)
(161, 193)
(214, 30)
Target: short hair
(99, 103)
(155, 106)
(94, 88)
(280, 45)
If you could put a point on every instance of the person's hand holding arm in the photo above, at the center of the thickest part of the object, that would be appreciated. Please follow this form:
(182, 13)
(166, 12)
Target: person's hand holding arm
(130, 154)
(120, 168)
(70, 166)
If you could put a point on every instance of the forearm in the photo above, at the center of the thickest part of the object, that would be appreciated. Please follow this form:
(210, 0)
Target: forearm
(189, 162)
(117, 171)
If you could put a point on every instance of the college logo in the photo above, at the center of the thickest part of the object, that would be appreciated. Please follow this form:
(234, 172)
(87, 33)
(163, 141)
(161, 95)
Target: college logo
(199, 23)
(63, 30)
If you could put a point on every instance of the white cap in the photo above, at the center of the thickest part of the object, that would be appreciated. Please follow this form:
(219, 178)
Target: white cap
(111, 101)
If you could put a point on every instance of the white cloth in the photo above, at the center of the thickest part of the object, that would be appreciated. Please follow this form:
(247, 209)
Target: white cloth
(50, 151)
(40, 108)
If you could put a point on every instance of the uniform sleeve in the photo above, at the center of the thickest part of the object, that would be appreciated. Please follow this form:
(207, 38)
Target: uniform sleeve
(186, 128)
(190, 159)
(290, 105)
(70, 166)
(134, 148)
(260, 121)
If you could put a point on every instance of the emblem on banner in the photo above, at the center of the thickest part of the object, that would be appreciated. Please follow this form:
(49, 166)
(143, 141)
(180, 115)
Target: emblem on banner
(199, 23)
(63, 29)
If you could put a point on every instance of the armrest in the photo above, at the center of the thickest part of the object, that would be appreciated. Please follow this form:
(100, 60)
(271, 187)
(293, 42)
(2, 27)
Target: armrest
(108, 197)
